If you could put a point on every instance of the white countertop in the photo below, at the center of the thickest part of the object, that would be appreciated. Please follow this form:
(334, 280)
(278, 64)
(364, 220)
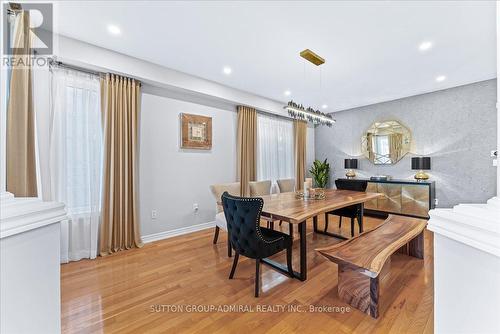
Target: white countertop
(18, 214)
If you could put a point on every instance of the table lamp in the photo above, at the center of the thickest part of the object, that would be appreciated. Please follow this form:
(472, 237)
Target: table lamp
(421, 164)
(350, 165)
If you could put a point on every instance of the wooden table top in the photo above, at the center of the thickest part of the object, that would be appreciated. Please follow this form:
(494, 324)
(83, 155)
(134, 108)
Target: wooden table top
(370, 249)
(287, 207)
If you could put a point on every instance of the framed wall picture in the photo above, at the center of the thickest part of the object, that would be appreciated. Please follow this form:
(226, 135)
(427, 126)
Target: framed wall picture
(196, 131)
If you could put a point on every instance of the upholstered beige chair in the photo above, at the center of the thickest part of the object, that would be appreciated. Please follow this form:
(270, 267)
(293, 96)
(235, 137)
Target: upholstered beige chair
(220, 220)
(262, 188)
(286, 185)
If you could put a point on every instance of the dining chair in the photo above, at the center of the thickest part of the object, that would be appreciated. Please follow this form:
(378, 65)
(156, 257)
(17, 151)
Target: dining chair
(349, 211)
(220, 220)
(248, 238)
(262, 188)
(286, 186)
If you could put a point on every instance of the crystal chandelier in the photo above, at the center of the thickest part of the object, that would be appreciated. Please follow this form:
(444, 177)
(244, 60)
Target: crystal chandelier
(316, 117)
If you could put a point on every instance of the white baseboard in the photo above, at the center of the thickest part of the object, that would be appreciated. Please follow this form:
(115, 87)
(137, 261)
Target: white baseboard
(174, 233)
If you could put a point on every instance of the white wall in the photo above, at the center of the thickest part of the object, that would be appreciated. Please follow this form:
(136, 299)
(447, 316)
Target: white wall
(173, 179)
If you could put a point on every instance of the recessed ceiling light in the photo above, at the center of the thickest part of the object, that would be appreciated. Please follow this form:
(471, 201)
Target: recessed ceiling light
(114, 30)
(227, 70)
(424, 46)
(287, 93)
(440, 78)
(324, 106)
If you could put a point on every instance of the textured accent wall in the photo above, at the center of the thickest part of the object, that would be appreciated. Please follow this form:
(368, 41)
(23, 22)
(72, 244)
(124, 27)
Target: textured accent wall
(457, 127)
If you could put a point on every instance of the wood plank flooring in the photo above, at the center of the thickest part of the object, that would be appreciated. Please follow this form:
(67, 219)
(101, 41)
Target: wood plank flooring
(157, 289)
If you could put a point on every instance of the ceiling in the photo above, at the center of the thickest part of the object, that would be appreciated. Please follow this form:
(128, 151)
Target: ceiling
(371, 47)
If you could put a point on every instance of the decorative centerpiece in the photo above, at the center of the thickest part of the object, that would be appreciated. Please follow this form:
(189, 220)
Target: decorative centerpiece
(311, 194)
(320, 172)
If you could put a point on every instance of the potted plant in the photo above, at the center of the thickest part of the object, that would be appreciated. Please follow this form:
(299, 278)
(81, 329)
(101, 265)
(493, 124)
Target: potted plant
(320, 172)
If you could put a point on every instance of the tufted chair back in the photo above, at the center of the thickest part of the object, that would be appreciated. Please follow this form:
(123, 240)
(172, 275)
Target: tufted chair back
(354, 185)
(243, 216)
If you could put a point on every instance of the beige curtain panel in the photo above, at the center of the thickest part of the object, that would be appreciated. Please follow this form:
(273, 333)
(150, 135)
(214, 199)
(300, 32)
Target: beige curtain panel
(20, 133)
(300, 138)
(120, 98)
(247, 148)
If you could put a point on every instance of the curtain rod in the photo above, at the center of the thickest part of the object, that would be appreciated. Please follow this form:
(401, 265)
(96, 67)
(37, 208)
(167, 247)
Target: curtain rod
(269, 113)
(53, 61)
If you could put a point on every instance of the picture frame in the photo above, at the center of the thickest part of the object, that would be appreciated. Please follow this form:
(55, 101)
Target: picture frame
(196, 132)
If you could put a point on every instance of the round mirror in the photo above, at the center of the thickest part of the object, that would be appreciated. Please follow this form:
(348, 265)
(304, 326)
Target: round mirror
(385, 143)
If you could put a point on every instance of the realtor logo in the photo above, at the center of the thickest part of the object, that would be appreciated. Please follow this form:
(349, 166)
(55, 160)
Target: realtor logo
(27, 29)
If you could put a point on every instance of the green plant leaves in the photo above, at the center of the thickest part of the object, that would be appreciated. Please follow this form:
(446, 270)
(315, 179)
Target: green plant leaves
(320, 172)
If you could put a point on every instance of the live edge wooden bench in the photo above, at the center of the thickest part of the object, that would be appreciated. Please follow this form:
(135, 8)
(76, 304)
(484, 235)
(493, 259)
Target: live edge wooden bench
(364, 260)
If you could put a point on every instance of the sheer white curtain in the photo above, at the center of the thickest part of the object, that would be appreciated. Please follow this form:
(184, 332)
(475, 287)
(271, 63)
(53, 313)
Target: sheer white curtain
(76, 159)
(274, 148)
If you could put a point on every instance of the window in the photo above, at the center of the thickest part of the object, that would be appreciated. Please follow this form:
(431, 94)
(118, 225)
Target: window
(76, 141)
(274, 148)
(76, 159)
(381, 145)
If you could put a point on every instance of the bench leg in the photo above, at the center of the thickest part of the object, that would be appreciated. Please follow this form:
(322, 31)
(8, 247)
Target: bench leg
(358, 290)
(416, 246)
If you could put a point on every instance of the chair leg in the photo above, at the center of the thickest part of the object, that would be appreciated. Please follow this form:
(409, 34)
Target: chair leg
(352, 227)
(290, 230)
(257, 277)
(216, 235)
(281, 222)
(340, 221)
(271, 225)
(289, 261)
(326, 221)
(229, 248)
(235, 263)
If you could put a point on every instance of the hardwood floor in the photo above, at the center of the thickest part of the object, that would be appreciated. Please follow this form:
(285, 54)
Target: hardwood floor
(130, 292)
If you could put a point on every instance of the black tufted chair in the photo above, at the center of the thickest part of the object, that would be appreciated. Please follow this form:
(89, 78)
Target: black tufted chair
(248, 238)
(349, 211)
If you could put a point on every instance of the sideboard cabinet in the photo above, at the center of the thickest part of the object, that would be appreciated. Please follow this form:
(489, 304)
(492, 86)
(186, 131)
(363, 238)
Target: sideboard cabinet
(402, 197)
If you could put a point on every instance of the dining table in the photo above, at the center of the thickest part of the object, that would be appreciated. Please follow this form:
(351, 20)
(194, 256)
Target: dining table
(295, 210)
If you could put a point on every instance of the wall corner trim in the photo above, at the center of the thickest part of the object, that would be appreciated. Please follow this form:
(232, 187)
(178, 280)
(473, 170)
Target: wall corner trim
(177, 232)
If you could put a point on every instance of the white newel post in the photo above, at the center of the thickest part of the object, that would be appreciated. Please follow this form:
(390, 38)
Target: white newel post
(29, 253)
(467, 259)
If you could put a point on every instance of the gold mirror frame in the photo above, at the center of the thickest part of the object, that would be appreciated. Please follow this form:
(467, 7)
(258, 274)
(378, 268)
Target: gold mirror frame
(385, 143)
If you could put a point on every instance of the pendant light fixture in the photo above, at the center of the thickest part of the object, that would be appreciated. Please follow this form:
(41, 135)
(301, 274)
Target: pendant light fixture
(298, 111)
